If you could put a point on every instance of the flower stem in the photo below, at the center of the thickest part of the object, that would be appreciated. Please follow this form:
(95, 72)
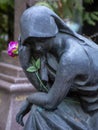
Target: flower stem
(41, 82)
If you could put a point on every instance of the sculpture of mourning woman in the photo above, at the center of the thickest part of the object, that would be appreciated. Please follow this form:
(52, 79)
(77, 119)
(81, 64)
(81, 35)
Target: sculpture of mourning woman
(69, 71)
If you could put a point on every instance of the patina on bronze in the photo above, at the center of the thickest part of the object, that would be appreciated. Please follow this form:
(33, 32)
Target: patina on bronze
(69, 68)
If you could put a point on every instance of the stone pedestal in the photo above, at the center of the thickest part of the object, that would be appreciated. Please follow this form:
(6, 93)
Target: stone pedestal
(14, 87)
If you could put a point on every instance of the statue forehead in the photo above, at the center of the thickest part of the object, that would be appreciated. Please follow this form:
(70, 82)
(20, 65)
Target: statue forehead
(37, 22)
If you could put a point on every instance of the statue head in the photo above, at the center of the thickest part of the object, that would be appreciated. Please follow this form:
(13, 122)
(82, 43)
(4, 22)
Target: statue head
(41, 22)
(36, 22)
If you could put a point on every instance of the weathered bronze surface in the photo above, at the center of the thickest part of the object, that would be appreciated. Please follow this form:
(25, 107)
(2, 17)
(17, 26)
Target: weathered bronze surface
(69, 68)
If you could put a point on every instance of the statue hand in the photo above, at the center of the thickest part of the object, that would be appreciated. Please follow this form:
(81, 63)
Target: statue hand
(19, 118)
(23, 111)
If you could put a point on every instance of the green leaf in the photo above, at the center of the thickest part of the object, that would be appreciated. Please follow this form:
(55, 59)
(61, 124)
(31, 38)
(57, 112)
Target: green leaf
(88, 19)
(32, 69)
(38, 63)
(96, 12)
(16, 52)
(88, 1)
(91, 22)
(35, 66)
(94, 16)
(44, 3)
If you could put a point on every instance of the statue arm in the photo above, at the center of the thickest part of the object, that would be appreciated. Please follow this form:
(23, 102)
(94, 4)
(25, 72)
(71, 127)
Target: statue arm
(64, 78)
(25, 58)
(43, 70)
(26, 107)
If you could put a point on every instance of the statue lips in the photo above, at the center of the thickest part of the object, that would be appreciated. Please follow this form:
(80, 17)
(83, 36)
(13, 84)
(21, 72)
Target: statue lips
(39, 51)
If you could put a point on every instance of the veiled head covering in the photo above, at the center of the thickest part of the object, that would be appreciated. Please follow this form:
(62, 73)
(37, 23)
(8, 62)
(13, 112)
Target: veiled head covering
(36, 22)
(40, 21)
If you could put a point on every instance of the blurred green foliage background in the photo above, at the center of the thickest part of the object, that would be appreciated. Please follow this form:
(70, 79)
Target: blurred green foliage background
(71, 9)
(6, 22)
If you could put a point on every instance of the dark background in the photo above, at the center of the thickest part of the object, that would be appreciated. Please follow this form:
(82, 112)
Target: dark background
(89, 29)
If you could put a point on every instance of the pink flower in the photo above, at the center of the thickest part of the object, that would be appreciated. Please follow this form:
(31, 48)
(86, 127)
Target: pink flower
(13, 48)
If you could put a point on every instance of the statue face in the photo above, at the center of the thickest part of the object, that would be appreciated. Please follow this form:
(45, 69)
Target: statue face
(38, 45)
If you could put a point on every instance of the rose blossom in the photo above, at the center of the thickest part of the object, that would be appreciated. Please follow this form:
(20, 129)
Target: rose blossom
(13, 48)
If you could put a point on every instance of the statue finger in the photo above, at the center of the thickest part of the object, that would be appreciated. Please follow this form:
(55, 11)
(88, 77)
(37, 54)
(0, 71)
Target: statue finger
(17, 117)
(20, 121)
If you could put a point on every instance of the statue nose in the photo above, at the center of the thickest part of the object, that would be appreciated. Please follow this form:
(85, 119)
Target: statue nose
(38, 48)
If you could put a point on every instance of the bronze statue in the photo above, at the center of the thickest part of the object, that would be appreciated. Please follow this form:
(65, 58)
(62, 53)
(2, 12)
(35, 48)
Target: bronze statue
(69, 69)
